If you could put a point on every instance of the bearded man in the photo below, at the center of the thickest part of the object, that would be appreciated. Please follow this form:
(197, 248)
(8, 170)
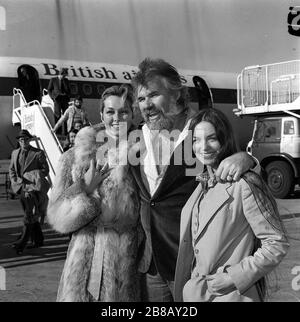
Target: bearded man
(162, 177)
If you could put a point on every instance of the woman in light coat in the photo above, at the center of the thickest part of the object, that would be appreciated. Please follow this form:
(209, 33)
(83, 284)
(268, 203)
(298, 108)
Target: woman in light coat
(231, 235)
(95, 199)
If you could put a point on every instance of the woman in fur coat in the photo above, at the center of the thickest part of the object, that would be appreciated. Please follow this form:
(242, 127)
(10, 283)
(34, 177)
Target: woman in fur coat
(95, 199)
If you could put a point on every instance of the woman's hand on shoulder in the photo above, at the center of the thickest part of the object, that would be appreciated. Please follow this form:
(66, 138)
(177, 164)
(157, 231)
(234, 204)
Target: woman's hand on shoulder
(93, 177)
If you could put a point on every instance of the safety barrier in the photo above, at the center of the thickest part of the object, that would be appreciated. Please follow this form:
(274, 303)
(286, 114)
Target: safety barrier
(269, 88)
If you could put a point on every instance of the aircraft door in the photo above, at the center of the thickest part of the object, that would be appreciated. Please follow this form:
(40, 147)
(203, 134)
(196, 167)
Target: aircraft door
(204, 94)
(29, 83)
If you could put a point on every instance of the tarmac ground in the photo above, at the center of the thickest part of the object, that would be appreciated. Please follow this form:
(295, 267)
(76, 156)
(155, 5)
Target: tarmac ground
(34, 275)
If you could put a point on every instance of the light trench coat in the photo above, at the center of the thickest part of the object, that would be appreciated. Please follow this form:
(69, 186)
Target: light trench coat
(229, 220)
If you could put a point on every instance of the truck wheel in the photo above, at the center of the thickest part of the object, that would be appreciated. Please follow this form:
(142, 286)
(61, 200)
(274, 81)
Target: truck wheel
(280, 178)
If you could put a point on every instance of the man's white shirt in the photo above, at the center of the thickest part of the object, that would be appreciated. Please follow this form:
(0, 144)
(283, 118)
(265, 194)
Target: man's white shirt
(159, 149)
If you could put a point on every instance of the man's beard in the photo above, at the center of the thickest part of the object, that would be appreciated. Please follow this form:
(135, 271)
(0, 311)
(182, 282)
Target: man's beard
(161, 123)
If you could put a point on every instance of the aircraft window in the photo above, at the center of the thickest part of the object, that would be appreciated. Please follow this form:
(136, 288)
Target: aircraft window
(74, 88)
(289, 127)
(100, 89)
(87, 89)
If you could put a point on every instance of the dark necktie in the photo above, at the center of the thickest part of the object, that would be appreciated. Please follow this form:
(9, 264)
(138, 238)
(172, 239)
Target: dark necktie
(62, 86)
(22, 159)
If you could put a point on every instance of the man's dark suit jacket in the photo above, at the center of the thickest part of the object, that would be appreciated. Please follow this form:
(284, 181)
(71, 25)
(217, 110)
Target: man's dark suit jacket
(35, 160)
(160, 215)
(54, 90)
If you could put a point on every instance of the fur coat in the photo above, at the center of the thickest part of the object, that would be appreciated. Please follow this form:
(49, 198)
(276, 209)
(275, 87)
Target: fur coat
(101, 259)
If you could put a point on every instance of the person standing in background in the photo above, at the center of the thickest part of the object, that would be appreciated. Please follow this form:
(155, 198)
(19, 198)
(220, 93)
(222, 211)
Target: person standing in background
(74, 114)
(78, 125)
(59, 91)
(70, 140)
(27, 171)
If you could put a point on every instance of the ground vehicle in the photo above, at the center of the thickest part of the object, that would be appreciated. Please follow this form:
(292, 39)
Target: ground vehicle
(271, 93)
(276, 144)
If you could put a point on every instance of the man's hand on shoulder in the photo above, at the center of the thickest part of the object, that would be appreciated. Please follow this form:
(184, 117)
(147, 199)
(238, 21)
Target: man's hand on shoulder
(231, 168)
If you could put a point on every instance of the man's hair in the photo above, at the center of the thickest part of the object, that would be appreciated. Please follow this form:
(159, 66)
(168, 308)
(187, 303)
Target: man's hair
(72, 131)
(64, 71)
(124, 91)
(151, 68)
(224, 131)
(78, 98)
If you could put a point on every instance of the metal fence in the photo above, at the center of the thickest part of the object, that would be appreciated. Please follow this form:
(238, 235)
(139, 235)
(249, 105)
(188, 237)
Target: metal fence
(269, 84)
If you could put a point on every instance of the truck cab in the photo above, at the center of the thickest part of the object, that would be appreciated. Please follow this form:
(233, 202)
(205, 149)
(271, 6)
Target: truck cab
(276, 144)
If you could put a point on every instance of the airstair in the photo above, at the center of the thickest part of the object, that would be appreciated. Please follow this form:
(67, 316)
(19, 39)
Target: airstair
(38, 119)
(272, 88)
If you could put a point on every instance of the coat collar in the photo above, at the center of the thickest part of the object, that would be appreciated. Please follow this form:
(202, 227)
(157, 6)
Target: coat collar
(217, 195)
(171, 173)
(29, 159)
(16, 159)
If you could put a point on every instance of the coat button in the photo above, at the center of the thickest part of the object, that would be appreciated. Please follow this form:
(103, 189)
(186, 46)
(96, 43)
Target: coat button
(196, 251)
(197, 275)
(152, 203)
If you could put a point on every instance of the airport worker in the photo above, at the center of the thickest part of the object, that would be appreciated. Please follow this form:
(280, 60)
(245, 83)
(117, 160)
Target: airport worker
(59, 91)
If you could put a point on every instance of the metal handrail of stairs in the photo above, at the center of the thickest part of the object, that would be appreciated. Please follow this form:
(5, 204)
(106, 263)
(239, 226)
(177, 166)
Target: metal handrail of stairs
(33, 118)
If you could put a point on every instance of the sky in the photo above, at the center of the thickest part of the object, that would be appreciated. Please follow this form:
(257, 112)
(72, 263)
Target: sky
(215, 35)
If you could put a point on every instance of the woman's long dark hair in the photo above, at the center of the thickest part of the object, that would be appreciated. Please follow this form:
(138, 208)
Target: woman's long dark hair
(262, 195)
(223, 129)
(268, 208)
